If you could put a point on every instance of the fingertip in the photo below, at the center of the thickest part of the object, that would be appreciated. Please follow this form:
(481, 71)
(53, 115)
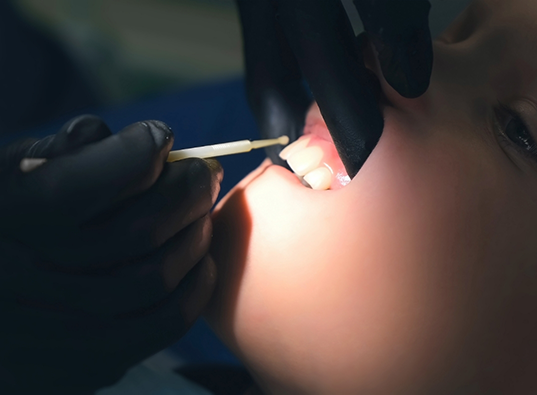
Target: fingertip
(159, 134)
(216, 169)
(162, 134)
(74, 135)
(86, 125)
(205, 177)
(146, 145)
(77, 132)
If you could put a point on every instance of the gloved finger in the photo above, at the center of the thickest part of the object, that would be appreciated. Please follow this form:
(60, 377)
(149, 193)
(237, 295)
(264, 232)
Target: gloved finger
(399, 30)
(166, 323)
(184, 305)
(188, 300)
(198, 288)
(76, 133)
(132, 287)
(92, 180)
(323, 42)
(156, 328)
(185, 192)
(274, 85)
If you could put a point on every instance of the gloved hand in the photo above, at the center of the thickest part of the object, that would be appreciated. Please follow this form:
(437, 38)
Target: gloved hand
(103, 254)
(286, 39)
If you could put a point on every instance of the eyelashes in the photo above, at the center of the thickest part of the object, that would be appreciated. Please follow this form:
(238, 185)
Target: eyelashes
(513, 132)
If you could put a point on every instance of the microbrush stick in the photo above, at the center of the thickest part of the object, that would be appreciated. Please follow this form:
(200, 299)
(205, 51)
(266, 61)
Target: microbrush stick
(206, 151)
(233, 147)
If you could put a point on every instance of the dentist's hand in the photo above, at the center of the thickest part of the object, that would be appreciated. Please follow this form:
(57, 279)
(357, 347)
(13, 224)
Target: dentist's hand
(285, 40)
(103, 254)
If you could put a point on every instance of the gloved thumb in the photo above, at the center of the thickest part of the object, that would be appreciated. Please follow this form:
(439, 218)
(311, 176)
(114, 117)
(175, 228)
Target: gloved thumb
(76, 133)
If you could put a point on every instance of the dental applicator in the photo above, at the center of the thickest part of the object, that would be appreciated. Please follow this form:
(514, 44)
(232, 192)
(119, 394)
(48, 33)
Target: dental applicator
(234, 147)
(206, 151)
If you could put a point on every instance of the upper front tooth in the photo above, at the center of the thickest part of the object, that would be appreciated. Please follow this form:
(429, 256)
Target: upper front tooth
(293, 147)
(305, 160)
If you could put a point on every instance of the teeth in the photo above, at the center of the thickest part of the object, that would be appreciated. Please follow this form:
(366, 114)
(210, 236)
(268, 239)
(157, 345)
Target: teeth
(298, 145)
(306, 163)
(305, 160)
(319, 179)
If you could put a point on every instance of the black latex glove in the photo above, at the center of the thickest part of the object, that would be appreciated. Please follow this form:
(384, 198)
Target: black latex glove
(103, 254)
(285, 40)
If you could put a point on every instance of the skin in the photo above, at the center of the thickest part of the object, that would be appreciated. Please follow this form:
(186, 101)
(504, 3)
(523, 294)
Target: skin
(420, 276)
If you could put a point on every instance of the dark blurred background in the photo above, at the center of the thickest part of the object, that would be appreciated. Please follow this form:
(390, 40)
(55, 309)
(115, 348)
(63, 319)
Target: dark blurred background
(125, 50)
(131, 48)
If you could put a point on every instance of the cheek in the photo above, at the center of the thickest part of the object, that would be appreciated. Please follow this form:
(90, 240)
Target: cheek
(345, 289)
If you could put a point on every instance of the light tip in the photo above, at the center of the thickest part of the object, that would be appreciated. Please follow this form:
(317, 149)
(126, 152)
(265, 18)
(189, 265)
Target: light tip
(283, 140)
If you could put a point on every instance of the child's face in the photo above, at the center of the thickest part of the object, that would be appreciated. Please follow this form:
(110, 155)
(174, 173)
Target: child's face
(420, 276)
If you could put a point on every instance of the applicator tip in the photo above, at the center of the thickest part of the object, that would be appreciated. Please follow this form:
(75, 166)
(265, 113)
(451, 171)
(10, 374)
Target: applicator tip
(283, 140)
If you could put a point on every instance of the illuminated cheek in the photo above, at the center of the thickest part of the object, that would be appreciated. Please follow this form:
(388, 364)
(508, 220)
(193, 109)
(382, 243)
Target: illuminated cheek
(351, 273)
(379, 275)
(302, 264)
(289, 235)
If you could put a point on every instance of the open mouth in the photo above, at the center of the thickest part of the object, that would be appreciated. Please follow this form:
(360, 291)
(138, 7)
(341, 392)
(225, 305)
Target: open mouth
(314, 158)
